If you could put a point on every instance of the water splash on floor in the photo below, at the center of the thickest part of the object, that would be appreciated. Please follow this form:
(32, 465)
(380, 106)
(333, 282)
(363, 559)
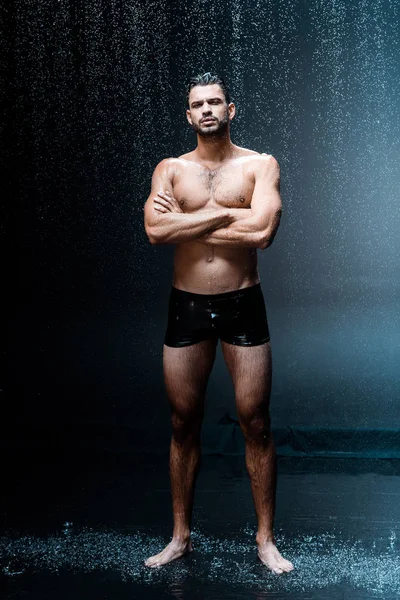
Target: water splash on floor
(321, 561)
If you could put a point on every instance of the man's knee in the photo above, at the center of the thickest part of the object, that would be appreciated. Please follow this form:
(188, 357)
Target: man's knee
(187, 425)
(256, 427)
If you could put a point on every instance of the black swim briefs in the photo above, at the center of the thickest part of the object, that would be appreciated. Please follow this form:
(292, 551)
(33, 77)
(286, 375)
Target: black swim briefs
(237, 317)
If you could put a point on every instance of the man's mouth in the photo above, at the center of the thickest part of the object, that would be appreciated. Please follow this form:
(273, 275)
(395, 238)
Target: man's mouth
(209, 119)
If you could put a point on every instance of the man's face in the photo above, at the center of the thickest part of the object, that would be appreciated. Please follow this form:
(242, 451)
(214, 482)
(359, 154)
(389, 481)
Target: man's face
(208, 113)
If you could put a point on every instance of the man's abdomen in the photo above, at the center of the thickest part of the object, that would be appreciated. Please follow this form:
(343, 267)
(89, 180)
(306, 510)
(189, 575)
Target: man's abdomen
(208, 269)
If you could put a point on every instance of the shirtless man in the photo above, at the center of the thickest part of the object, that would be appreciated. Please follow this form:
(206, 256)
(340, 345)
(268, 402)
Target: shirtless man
(217, 204)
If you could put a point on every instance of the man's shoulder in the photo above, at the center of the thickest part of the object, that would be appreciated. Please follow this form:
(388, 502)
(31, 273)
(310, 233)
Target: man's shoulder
(168, 165)
(268, 160)
(240, 151)
(170, 161)
(249, 156)
(256, 157)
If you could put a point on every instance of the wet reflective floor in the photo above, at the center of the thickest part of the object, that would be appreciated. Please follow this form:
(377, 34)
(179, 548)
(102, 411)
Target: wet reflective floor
(81, 528)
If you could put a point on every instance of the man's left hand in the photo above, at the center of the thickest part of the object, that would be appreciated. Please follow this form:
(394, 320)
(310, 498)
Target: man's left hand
(165, 202)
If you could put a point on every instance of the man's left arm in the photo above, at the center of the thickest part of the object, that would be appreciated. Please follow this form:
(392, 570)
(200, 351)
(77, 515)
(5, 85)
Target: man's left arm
(259, 229)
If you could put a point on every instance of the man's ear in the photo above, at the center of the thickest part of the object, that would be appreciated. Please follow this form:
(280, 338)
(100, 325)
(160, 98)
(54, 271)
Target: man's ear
(188, 116)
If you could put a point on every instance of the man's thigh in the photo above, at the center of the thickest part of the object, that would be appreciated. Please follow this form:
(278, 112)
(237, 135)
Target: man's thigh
(187, 370)
(251, 370)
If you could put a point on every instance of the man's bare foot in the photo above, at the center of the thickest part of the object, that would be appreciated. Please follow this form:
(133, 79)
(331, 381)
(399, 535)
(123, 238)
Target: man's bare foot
(174, 550)
(269, 554)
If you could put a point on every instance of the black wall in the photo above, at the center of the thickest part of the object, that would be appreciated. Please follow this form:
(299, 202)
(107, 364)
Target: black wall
(94, 99)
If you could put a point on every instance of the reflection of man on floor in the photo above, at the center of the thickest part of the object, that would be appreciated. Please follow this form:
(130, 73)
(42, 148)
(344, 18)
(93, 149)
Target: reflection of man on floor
(217, 204)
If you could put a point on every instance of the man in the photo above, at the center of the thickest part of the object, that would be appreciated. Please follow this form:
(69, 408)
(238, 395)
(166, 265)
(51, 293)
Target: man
(218, 204)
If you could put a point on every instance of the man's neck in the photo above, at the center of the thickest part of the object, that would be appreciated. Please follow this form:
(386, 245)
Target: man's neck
(213, 149)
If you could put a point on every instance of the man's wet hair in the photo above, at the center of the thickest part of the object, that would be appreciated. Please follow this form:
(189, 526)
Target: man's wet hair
(208, 79)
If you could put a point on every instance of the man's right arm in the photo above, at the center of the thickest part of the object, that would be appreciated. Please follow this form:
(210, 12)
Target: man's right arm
(177, 227)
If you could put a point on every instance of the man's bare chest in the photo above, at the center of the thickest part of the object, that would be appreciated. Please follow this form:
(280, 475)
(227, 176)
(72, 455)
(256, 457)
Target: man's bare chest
(200, 188)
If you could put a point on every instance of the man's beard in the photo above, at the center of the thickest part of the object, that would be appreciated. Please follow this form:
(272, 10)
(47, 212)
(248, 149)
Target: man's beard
(219, 131)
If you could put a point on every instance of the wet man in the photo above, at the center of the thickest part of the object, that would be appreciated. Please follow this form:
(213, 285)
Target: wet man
(217, 204)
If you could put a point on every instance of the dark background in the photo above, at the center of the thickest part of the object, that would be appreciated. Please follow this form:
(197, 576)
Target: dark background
(94, 98)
